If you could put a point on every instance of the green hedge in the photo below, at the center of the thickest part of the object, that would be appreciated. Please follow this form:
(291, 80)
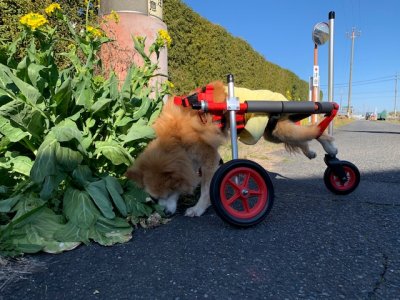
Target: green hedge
(202, 52)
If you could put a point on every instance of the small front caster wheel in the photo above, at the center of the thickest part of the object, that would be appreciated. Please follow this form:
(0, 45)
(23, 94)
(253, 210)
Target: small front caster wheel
(336, 185)
(242, 193)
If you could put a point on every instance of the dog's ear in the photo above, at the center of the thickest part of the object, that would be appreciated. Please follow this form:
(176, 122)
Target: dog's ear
(136, 175)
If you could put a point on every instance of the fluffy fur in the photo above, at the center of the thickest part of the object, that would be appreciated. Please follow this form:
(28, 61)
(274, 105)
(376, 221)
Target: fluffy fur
(187, 144)
(296, 137)
(170, 165)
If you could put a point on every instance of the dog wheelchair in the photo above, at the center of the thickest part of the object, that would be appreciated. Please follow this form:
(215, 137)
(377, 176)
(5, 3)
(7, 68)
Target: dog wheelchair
(241, 191)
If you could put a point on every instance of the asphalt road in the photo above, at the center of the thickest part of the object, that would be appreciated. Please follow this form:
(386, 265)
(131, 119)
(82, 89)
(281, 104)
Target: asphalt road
(313, 245)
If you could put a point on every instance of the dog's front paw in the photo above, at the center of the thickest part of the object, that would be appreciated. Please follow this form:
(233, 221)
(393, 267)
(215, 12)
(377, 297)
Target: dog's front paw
(194, 211)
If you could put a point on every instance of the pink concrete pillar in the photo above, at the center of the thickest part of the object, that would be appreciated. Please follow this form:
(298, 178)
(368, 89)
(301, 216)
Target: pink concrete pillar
(136, 18)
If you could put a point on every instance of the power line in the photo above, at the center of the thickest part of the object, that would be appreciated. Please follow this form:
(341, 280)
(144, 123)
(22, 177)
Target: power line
(366, 82)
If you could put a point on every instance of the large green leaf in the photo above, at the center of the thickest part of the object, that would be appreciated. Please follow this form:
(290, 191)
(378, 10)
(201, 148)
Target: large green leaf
(72, 233)
(67, 159)
(137, 132)
(115, 190)
(155, 112)
(31, 94)
(100, 104)
(25, 117)
(62, 97)
(143, 109)
(34, 74)
(67, 131)
(82, 175)
(7, 87)
(21, 164)
(79, 208)
(45, 163)
(34, 231)
(113, 86)
(126, 89)
(7, 204)
(50, 184)
(123, 122)
(14, 134)
(114, 152)
(136, 202)
(84, 93)
(55, 247)
(26, 207)
(98, 192)
(108, 232)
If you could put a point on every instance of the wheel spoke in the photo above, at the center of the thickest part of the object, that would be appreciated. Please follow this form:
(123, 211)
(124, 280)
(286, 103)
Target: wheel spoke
(245, 203)
(234, 184)
(232, 199)
(254, 193)
(246, 180)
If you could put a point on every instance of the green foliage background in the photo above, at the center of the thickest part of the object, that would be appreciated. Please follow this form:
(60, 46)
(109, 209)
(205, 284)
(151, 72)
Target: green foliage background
(72, 163)
(202, 52)
(12, 10)
(68, 131)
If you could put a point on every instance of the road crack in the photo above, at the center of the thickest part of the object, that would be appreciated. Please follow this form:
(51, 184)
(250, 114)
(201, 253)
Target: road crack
(381, 280)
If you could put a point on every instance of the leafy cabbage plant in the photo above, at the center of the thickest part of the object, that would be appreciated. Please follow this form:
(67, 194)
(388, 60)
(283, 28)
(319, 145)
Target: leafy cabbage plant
(67, 134)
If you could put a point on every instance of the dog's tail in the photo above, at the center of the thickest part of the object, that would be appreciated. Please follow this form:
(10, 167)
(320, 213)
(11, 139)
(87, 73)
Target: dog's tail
(288, 132)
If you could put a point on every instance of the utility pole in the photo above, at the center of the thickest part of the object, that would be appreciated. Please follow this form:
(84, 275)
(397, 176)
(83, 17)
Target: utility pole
(354, 33)
(395, 95)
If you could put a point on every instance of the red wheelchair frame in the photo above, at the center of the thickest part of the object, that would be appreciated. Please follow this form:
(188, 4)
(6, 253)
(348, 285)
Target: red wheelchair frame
(241, 191)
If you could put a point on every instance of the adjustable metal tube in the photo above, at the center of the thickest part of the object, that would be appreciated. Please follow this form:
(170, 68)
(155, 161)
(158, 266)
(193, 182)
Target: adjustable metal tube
(232, 117)
(278, 107)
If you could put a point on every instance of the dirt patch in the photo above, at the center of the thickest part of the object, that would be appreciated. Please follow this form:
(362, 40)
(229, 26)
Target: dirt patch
(264, 153)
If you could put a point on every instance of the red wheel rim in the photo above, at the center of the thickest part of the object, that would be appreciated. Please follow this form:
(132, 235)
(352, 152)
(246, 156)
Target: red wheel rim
(351, 180)
(243, 193)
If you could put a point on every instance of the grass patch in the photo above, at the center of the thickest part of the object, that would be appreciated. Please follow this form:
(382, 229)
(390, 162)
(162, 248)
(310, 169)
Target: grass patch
(15, 269)
(341, 121)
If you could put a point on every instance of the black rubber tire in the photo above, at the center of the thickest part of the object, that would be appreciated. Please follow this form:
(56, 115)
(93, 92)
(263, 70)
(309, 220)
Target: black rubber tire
(333, 183)
(256, 201)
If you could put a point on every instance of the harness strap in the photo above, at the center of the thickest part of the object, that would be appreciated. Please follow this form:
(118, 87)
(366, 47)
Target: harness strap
(187, 101)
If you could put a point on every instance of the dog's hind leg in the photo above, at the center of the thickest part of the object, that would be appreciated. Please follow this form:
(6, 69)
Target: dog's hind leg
(327, 143)
(305, 148)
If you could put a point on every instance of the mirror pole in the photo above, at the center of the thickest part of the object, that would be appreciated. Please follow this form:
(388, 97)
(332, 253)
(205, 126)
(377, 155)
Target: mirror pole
(330, 65)
(315, 95)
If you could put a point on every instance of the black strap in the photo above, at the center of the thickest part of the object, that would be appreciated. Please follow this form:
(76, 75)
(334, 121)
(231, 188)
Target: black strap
(190, 100)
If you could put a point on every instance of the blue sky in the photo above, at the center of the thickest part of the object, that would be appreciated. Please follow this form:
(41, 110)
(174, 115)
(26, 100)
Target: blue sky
(280, 30)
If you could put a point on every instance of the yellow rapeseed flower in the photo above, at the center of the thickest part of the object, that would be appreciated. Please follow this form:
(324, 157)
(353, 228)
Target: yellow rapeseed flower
(33, 20)
(170, 84)
(165, 36)
(113, 16)
(51, 8)
(94, 31)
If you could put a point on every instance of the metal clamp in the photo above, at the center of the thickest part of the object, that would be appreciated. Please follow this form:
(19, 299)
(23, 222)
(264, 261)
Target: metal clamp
(233, 103)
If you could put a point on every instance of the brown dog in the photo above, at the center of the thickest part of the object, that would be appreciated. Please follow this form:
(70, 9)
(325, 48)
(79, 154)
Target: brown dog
(185, 152)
